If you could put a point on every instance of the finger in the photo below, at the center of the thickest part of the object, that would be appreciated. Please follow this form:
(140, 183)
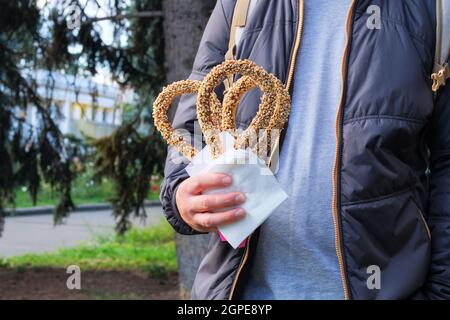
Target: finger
(215, 202)
(208, 181)
(217, 219)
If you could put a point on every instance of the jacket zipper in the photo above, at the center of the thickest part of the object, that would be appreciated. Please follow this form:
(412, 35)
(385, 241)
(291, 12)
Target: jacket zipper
(298, 39)
(336, 221)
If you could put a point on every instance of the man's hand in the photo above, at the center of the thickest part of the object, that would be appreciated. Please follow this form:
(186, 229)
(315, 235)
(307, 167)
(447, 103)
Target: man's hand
(206, 212)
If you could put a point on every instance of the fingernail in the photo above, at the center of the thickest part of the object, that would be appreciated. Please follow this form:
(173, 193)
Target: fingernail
(239, 198)
(239, 212)
(226, 180)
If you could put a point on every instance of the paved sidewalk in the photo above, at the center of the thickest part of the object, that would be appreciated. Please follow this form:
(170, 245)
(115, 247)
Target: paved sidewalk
(36, 233)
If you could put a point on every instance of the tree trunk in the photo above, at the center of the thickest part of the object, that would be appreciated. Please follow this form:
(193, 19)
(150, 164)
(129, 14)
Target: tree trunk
(184, 22)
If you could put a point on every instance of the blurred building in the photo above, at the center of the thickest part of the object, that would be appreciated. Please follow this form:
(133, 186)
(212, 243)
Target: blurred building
(90, 106)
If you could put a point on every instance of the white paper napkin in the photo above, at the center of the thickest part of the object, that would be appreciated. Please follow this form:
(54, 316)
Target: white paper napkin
(250, 176)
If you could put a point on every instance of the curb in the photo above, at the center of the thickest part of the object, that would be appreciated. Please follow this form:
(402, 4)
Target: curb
(21, 212)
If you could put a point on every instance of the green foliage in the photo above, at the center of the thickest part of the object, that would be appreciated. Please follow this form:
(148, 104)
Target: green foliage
(129, 160)
(33, 38)
(27, 154)
(150, 250)
(85, 190)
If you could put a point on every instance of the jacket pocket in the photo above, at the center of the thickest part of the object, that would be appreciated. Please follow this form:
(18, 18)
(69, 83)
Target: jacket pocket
(390, 233)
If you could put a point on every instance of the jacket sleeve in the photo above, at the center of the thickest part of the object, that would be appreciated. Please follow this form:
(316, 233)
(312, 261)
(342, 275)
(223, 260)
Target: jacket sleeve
(438, 282)
(211, 52)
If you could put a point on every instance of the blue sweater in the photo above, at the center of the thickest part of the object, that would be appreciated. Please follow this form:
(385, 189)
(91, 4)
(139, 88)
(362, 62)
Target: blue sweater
(296, 256)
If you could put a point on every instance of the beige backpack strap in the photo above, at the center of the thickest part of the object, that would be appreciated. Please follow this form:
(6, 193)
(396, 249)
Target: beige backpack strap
(239, 21)
(441, 70)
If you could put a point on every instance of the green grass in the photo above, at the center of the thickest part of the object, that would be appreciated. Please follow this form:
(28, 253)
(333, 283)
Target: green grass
(150, 250)
(84, 191)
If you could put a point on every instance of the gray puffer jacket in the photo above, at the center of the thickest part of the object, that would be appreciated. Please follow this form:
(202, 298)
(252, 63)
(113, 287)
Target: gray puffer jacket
(392, 170)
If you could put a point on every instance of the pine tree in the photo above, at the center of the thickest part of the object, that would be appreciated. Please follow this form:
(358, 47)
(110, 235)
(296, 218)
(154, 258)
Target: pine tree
(161, 38)
(42, 36)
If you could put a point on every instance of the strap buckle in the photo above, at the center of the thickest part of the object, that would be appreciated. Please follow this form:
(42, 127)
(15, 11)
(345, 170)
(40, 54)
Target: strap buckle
(440, 77)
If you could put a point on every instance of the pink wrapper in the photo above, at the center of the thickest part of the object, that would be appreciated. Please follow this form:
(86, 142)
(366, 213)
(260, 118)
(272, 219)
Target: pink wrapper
(222, 238)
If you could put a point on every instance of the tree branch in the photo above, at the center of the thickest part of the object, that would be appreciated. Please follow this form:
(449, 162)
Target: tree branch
(137, 15)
